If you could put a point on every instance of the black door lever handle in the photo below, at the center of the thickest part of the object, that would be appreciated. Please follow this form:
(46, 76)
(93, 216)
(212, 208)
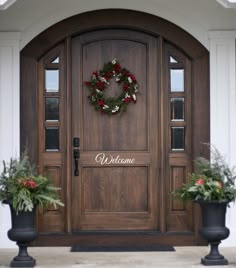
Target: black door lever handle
(76, 158)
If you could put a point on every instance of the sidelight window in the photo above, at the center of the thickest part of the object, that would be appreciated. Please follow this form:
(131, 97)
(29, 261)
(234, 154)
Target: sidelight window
(177, 103)
(52, 103)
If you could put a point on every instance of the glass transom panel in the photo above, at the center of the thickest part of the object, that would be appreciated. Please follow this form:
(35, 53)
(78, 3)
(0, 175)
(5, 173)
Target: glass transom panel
(173, 60)
(56, 60)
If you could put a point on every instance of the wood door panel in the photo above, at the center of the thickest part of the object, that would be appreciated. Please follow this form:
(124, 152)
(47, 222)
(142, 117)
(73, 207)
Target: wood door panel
(119, 132)
(179, 217)
(177, 178)
(106, 195)
(115, 189)
(120, 221)
(54, 175)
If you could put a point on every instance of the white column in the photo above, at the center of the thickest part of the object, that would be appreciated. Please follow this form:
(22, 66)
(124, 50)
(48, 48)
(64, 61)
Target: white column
(9, 114)
(223, 106)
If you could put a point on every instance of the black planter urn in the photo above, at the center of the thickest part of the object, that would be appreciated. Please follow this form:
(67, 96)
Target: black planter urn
(23, 232)
(214, 230)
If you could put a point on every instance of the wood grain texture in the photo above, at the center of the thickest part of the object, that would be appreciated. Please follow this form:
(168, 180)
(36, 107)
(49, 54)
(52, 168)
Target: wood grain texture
(115, 189)
(54, 175)
(178, 177)
(115, 133)
(118, 239)
(133, 134)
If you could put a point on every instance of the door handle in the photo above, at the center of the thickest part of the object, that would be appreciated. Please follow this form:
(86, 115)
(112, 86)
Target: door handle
(76, 159)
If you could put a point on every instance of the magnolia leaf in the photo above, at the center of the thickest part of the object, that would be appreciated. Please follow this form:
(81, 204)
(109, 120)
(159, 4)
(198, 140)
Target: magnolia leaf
(193, 189)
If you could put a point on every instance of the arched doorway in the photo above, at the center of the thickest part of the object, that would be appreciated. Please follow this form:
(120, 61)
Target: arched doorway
(162, 133)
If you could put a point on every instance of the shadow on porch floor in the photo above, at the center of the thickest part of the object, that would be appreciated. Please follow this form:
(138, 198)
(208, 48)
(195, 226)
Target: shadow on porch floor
(183, 257)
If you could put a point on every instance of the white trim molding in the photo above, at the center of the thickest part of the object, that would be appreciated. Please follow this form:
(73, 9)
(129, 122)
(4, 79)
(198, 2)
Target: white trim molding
(227, 3)
(5, 4)
(9, 113)
(223, 104)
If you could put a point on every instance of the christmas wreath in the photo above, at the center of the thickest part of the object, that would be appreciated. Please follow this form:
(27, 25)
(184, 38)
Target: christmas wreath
(100, 81)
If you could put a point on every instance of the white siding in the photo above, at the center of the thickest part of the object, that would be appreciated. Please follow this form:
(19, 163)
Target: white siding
(223, 106)
(9, 114)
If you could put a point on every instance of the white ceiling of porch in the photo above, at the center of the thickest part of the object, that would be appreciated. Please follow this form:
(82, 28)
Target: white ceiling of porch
(23, 13)
(30, 17)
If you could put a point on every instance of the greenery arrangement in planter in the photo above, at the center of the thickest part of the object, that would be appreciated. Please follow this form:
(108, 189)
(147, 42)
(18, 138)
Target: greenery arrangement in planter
(23, 188)
(214, 180)
(213, 187)
(25, 191)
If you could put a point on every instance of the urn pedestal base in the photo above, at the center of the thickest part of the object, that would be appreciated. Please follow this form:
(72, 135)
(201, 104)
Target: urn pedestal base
(23, 259)
(209, 262)
(214, 257)
(20, 263)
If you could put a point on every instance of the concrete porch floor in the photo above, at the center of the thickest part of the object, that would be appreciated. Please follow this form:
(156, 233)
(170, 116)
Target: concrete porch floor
(183, 257)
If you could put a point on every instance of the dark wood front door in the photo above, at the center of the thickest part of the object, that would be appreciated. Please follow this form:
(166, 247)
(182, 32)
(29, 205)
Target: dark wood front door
(108, 195)
(129, 162)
